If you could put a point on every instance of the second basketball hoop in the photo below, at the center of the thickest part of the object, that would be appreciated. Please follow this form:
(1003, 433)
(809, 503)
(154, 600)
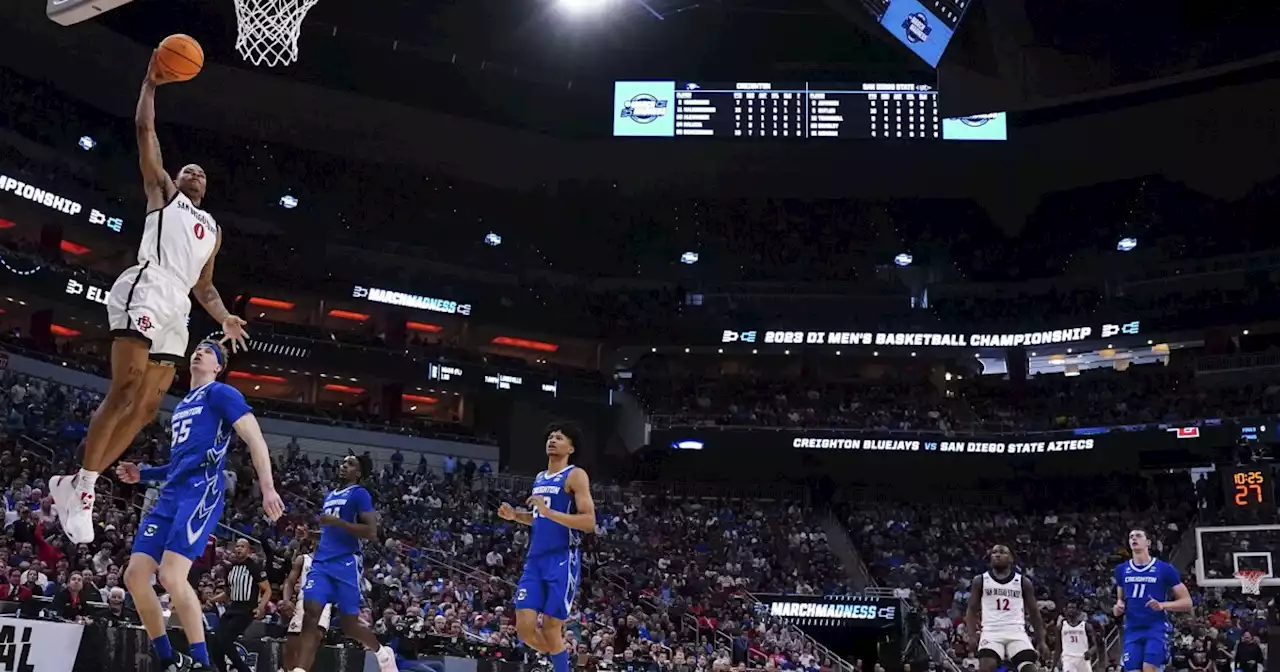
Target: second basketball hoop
(269, 30)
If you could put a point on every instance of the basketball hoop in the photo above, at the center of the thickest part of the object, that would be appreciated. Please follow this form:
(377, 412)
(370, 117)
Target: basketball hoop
(269, 30)
(1251, 581)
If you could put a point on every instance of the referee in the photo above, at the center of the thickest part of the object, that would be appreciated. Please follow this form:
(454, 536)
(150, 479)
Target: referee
(246, 598)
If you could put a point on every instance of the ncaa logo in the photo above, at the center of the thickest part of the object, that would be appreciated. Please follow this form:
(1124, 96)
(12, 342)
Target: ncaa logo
(917, 27)
(978, 119)
(644, 108)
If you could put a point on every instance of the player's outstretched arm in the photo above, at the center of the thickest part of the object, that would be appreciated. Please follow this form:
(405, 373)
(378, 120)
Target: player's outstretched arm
(156, 183)
(247, 428)
(129, 473)
(1032, 607)
(580, 487)
(973, 612)
(211, 300)
(508, 512)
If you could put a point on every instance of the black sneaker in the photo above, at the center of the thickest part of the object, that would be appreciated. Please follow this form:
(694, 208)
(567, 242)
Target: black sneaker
(185, 663)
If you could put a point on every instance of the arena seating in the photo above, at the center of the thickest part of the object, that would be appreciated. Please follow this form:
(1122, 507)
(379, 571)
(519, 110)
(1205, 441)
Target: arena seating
(446, 559)
(664, 575)
(980, 403)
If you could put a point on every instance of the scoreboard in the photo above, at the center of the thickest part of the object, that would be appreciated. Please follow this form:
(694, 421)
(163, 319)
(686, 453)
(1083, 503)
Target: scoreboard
(790, 110)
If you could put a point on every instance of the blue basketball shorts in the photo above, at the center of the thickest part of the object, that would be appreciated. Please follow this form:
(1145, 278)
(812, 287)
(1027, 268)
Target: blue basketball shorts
(336, 581)
(180, 522)
(1145, 646)
(549, 583)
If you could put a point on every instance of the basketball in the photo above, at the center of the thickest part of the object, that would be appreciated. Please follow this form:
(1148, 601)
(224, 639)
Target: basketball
(179, 58)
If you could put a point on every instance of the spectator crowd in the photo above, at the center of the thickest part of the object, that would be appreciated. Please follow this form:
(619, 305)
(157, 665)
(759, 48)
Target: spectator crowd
(668, 583)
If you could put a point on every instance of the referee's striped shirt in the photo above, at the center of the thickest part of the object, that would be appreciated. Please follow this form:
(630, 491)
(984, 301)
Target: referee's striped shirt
(242, 584)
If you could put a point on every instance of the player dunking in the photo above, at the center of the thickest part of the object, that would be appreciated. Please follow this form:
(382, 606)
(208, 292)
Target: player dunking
(1077, 642)
(561, 510)
(1143, 584)
(147, 310)
(1000, 603)
(177, 528)
(337, 569)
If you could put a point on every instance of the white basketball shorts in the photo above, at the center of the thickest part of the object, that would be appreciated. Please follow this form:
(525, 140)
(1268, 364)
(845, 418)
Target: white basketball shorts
(1072, 663)
(1005, 645)
(295, 623)
(151, 304)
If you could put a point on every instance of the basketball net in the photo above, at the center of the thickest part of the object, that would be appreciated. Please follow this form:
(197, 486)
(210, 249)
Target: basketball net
(1251, 581)
(269, 30)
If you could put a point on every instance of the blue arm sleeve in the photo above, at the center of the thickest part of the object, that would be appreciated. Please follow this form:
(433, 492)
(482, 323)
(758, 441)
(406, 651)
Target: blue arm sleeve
(153, 474)
(228, 402)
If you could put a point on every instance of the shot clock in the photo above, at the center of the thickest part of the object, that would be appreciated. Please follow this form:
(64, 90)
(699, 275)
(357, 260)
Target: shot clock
(1249, 487)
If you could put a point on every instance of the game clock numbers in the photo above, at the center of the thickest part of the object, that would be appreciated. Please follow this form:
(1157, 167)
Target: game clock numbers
(1249, 487)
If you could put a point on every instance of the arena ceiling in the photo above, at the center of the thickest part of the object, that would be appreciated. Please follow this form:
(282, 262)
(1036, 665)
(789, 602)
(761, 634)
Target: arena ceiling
(1050, 49)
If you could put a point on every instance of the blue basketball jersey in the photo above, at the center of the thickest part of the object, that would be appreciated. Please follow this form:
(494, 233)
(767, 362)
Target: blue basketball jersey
(336, 543)
(202, 427)
(1153, 581)
(549, 536)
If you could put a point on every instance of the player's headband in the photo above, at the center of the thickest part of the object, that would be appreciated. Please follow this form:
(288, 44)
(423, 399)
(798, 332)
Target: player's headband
(217, 352)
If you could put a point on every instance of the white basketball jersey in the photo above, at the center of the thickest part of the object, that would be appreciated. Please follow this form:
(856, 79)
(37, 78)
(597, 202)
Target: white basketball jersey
(179, 239)
(1075, 639)
(1002, 608)
(306, 569)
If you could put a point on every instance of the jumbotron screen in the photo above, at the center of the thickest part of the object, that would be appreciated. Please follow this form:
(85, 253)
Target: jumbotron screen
(782, 110)
(924, 26)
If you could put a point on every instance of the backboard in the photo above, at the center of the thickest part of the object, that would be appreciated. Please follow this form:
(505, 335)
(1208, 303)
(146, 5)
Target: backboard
(70, 12)
(1224, 550)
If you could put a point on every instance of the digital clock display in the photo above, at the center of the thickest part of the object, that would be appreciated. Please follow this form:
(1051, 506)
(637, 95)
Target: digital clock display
(1248, 487)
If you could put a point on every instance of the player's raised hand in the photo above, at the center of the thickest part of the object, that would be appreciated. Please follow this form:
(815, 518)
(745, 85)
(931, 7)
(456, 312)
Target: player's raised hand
(154, 75)
(506, 512)
(1155, 605)
(272, 504)
(128, 472)
(234, 333)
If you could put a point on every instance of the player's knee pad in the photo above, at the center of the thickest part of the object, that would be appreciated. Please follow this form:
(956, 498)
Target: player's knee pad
(1026, 666)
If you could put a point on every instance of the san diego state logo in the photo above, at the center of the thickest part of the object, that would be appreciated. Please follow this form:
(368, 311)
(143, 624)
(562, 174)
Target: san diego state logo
(917, 27)
(644, 108)
(145, 323)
